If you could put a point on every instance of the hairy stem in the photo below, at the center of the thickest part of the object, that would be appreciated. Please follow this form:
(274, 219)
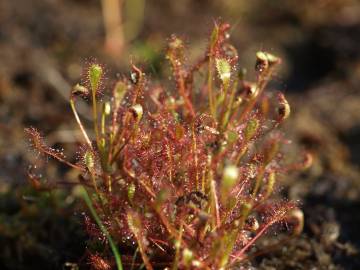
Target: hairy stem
(103, 229)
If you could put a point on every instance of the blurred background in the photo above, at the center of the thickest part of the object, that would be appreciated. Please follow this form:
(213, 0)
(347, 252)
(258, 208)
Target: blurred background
(45, 43)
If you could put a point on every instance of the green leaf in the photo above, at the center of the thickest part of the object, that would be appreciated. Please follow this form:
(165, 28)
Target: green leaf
(224, 69)
(95, 74)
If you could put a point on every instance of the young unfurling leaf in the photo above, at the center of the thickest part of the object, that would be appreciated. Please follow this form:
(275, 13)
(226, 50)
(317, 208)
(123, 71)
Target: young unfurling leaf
(224, 70)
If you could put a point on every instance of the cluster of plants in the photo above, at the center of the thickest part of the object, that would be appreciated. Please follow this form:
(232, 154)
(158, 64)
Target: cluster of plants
(181, 177)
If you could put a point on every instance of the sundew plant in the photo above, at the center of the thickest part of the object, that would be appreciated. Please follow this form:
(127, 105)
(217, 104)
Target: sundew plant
(182, 177)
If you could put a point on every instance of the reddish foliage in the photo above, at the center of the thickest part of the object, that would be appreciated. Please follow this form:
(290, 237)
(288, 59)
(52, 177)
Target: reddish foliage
(184, 175)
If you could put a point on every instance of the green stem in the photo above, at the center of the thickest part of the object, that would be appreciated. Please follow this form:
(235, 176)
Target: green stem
(72, 104)
(229, 108)
(103, 229)
(95, 116)
(210, 88)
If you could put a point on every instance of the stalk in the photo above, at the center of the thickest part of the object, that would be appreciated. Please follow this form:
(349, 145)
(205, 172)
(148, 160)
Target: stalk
(83, 193)
(86, 137)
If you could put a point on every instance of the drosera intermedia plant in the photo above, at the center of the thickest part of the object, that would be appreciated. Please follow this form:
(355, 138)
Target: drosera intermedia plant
(183, 178)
